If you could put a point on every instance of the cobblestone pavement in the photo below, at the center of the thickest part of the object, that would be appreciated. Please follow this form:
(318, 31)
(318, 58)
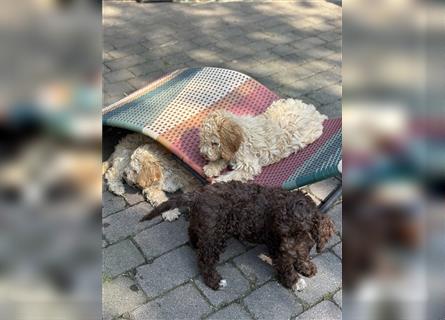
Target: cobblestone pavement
(294, 48)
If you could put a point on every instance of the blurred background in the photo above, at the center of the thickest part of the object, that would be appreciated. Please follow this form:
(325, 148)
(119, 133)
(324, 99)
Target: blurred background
(394, 160)
(50, 160)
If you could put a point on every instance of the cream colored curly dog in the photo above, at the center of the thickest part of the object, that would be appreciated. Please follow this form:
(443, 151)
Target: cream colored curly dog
(145, 164)
(248, 143)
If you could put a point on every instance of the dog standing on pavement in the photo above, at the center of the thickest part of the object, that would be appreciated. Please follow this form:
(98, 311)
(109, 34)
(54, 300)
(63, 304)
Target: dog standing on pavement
(288, 223)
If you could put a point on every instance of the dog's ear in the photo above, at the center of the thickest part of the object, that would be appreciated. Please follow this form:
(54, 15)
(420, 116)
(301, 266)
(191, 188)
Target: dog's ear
(322, 230)
(231, 137)
(149, 174)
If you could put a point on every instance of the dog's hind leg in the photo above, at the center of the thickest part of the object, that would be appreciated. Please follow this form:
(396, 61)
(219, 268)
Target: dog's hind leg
(208, 257)
(193, 237)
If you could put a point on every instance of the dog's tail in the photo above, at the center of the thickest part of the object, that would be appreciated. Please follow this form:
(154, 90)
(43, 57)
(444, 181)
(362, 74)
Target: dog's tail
(177, 201)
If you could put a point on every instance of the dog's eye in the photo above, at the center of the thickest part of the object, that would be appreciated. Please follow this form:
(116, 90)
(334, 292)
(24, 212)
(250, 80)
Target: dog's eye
(215, 144)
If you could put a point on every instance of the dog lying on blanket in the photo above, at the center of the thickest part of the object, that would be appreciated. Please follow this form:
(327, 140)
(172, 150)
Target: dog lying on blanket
(248, 143)
(288, 223)
(143, 163)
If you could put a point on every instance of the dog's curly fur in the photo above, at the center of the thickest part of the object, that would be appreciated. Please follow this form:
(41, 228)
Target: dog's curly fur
(144, 164)
(288, 223)
(249, 143)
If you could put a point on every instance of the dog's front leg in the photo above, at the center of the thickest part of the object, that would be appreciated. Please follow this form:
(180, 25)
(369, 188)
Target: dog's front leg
(114, 181)
(234, 176)
(214, 168)
(303, 263)
(306, 267)
(287, 275)
(155, 195)
(243, 170)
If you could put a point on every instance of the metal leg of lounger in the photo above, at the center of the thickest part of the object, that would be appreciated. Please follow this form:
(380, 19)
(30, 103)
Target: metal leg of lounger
(331, 198)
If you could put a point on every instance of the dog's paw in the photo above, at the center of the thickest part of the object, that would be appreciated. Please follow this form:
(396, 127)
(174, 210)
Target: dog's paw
(300, 285)
(117, 189)
(223, 178)
(223, 283)
(211, 170)
(171, 215)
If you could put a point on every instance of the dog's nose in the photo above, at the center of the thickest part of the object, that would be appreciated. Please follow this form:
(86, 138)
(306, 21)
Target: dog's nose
(204, 156)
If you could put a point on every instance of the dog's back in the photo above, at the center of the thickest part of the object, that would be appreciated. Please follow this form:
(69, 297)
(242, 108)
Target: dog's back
(299, 119)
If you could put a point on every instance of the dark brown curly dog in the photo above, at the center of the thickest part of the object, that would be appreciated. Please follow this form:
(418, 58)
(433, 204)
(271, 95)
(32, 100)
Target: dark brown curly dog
(288, 223)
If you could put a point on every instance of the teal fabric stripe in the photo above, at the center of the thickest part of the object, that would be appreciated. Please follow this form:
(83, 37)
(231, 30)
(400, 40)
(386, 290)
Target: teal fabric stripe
(320, 166)
(311, 178)
(143, 111)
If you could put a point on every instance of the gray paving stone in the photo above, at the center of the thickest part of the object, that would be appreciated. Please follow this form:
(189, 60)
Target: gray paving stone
(162, 237)
(233, 311)
(338, 250)
(334, 45)
(325, 310)
(319, 65)
(110, 99)
(123, 42)
(286, 38)
(133, 195)
(308, 43)
(322, 188)
(121, 257)
(167, 271)
(338, 298)
(296, 58)
(237, 285)
(119, 296)
(283, 50)
(319, 52)
(292, 75)
(117, 88)
(309, 84)
(331, 243)
(125, 62)
(332, 110)
(328, 278)
(263, 57)
(331, 76)
(145, 68)
(178, 58)
(144, 80)
(111, 203)
(323, 96)
(233, 248)
(125, 223)
(329, 36)
(272, 301)
(256, 270)
(127, 51)
(120, 75)
(182, 303)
